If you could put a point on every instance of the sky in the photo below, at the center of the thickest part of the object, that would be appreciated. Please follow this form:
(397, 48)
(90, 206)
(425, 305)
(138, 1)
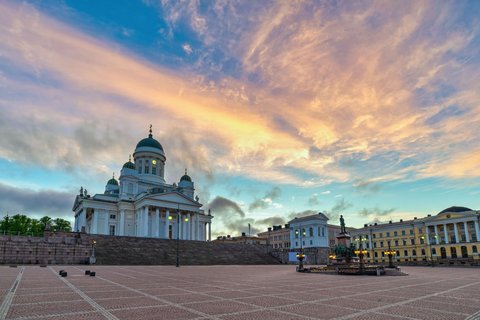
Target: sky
(279, 109)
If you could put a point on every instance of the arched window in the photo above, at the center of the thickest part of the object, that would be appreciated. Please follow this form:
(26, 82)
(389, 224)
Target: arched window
(443, 252)
(139, 166)
(310, 231)
(453, 252)
(414, 252)
(464, 252)
(474, 249)
(434, 251)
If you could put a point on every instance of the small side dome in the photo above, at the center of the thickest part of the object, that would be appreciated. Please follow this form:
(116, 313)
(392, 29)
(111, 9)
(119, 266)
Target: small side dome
(113, 181)
(455, 209)
(186, 177)
(129, 164)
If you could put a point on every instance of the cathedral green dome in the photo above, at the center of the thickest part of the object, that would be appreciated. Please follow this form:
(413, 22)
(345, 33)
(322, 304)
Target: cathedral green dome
(113, 181)
(186, 177)
(149, 142)
(129, 165)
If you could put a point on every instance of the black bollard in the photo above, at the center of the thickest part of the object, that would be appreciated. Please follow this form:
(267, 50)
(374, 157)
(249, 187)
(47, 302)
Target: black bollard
(92, 274)
(87, 272)
(60, 272)
(63, 274)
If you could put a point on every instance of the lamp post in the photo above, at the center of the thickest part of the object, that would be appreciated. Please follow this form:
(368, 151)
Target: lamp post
(93, 259)
(177, 264)
(390, 253)
(360, 252)
(430, 242)
(300, 256)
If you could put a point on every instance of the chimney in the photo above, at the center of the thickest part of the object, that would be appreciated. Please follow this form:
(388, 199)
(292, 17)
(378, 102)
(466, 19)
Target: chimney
(429, 215)
(365, 225)
(401, 220)
(414, 218)
(270, 229)
(375, 224)
(243, 234)
(228, 236)
(390, 221)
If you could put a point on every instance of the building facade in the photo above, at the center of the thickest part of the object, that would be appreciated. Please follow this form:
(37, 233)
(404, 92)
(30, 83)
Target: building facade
(142, 204)
(310, 234)
(451, 236)
(277, 236)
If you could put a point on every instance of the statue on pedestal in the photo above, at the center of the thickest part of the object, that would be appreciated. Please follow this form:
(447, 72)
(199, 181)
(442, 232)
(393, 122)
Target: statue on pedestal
(342, 225)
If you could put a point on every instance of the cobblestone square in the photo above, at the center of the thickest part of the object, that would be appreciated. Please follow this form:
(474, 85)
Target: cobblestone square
(235, 292)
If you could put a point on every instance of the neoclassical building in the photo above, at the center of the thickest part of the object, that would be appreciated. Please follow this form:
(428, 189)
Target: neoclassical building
(142, 204)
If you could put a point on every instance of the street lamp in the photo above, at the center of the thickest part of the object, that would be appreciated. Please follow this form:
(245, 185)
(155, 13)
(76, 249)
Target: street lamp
(177, 264)
(300, 256)
(390, 253)
(360, 252)
(431, 236)
(93, 259)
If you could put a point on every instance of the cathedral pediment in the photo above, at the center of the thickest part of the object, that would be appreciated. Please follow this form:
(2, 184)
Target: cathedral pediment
(173, 196)
(446, 216)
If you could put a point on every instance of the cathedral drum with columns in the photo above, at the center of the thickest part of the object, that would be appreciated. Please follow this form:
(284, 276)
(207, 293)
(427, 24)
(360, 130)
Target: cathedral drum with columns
(142, 204)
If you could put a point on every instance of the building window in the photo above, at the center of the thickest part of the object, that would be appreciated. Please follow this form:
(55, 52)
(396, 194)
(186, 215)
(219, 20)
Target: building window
(434, 251)
(403, 232)
(311, 242)
(420, 230)
(140, 166)
(414, 252)
(396, 243)
(474, 249)
(464, 252)
(421, 241)
(412, 241)
(310, 231)
(113, 217)
(411, 231)
(296, 244)
(388, 234)
(381, 244)
(381, 235)
(376, 254)
(374, 236)
(112, 230)
(374, 244)
(453, 252)
(154, 167)
(423, 252)
(296, 234)
(395, 233)
(405, 253)
(404, 242)
(147, 167)
(383, 254)
(398, 253)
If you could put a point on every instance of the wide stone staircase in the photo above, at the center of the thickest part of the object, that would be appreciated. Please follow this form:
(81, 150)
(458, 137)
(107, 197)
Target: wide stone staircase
(115, 250)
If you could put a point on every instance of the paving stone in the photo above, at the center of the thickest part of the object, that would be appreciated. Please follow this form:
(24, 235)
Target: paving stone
(220, 307)
(155, 313)
(424, 314)
(263, 315)
(318, 311)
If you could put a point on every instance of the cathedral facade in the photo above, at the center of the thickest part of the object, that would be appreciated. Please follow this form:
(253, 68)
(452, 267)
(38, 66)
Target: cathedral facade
(142, 204)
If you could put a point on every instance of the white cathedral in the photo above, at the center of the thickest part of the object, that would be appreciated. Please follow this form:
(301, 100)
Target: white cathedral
(142, 204)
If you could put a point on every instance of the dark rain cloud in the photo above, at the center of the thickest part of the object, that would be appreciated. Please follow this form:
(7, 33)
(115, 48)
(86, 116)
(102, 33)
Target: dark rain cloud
(31, 202)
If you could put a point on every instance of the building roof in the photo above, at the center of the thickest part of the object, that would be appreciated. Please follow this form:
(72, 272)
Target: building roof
(455, 209)
(320, 216)
(149, 142)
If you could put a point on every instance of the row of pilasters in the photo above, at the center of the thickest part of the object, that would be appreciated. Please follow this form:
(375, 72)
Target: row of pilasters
(171, 225)
(446, 236)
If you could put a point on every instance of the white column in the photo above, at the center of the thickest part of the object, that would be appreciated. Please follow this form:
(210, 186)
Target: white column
(456, 232)
(156, 234)
(477, 231)
(467, 236)
(209, 231)
(427, 235)
(189, 228)
(445, 233)
(193, 235)
(94, 222)
(145, 222)
(167, 225)
(121, 228)
(436, 234)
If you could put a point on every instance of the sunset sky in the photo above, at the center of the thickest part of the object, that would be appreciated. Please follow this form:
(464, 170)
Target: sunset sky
(277, 108)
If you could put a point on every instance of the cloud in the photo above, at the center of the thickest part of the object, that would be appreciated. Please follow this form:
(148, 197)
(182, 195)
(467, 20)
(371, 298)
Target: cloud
(375, 214)
(313, 200)
(187, 48)
(341, 205)
(225, 206)
(55, 204)
(266, 201)
(366, 186)
(271, 221)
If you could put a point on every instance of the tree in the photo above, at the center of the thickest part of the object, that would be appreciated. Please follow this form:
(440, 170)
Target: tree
(60, 224)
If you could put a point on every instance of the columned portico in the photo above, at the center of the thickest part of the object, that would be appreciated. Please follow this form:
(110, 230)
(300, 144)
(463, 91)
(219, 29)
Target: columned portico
(167, 224)
(455, 229)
